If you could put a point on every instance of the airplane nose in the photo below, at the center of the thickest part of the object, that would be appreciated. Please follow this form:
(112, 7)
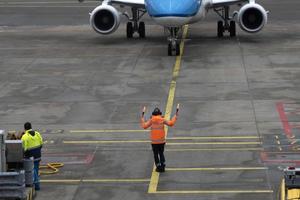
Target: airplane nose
(172, 8)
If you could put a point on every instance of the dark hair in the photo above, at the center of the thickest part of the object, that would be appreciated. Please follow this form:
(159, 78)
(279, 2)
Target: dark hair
(156, 111)
(27, 126)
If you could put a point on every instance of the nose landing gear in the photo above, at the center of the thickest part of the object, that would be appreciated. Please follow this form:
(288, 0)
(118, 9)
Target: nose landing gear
(173, 46)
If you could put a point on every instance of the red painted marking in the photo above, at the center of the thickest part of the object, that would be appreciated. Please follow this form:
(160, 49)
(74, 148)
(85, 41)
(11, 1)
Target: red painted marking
(89, 159)
(265, 158)
(297, 162)
(284, 120)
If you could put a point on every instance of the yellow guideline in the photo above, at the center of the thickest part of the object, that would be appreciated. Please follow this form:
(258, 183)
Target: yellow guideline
(155, 175)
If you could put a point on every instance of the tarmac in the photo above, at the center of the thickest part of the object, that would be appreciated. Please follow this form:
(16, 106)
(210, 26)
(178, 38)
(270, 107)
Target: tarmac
(239, 120)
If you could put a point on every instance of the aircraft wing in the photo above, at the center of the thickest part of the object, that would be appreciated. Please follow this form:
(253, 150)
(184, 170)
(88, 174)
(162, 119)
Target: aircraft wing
(220, 3)
(131, 3)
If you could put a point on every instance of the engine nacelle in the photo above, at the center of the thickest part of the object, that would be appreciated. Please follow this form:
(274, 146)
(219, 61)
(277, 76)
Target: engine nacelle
(105, 19)
(252, 17)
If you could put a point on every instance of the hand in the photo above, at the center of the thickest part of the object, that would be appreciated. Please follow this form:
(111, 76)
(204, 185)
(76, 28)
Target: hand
(144, 110)
(177, 109)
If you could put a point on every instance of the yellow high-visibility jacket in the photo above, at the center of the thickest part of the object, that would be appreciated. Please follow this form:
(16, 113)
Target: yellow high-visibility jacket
(32, 144)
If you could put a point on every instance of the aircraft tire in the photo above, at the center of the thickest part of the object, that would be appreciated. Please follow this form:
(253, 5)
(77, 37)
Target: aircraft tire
(232, 29)
(129, 30)
(177, 49)
(220, 29)
(170, 49)
(142, 30)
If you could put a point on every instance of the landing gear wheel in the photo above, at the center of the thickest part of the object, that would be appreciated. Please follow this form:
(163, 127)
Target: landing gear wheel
(220, 29)
(170, 49)
(177, 49)
(142, 30)
(232, 29)
(173, 47)
(129, 30)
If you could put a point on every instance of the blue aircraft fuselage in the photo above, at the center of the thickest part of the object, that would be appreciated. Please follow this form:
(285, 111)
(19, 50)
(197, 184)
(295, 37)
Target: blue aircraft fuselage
(172, 8)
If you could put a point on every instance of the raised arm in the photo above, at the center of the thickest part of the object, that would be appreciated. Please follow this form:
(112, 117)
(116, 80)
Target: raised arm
(145, 124)
(171, 122)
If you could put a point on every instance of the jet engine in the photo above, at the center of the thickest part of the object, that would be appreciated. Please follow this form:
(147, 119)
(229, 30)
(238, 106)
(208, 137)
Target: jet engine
(105, 19)
(252, 17)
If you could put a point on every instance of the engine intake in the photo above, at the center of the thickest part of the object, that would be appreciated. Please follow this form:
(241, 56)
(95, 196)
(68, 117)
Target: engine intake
(252, 17)
(105, 19)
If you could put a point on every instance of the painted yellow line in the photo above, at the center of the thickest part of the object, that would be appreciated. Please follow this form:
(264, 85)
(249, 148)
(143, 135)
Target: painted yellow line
(213, 137)
(170, 102)
(213, 191)
(61, 181)
(213, 143)
(218, 169)
(148, 141)
(217, 149)
(108, 131)
(282, 190)
(153, 181)
(94, 180)
(115, 180)
(104, 141)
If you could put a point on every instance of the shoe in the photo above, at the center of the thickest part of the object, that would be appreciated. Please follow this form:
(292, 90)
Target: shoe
(158, 169)
(163, 166)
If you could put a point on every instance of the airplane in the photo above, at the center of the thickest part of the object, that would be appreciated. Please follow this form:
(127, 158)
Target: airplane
(174, 14)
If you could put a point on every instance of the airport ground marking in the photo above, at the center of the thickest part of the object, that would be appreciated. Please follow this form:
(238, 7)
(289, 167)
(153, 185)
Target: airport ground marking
(104, 141)
(170, 102)
(66, 181)
(148, 141)
(109, 131)
(217, 169)
(212, 143)
(213, 191)
(282, 188)
(215, 149)
(213, 137)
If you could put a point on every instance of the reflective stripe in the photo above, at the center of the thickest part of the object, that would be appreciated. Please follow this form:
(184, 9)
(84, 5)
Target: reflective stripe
(32, 144)
(158, 141)
(33, 148)
(157, 128)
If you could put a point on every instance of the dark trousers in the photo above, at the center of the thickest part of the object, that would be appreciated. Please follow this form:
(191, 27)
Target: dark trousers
(158, 151)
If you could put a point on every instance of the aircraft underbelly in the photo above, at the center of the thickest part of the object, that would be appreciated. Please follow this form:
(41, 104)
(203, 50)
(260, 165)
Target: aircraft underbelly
(172, 21)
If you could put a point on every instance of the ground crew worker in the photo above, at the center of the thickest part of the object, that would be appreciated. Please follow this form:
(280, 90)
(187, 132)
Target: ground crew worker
(32, 144)
(158, 140)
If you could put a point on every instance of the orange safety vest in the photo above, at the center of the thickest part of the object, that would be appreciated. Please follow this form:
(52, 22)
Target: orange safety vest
(158, 135)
